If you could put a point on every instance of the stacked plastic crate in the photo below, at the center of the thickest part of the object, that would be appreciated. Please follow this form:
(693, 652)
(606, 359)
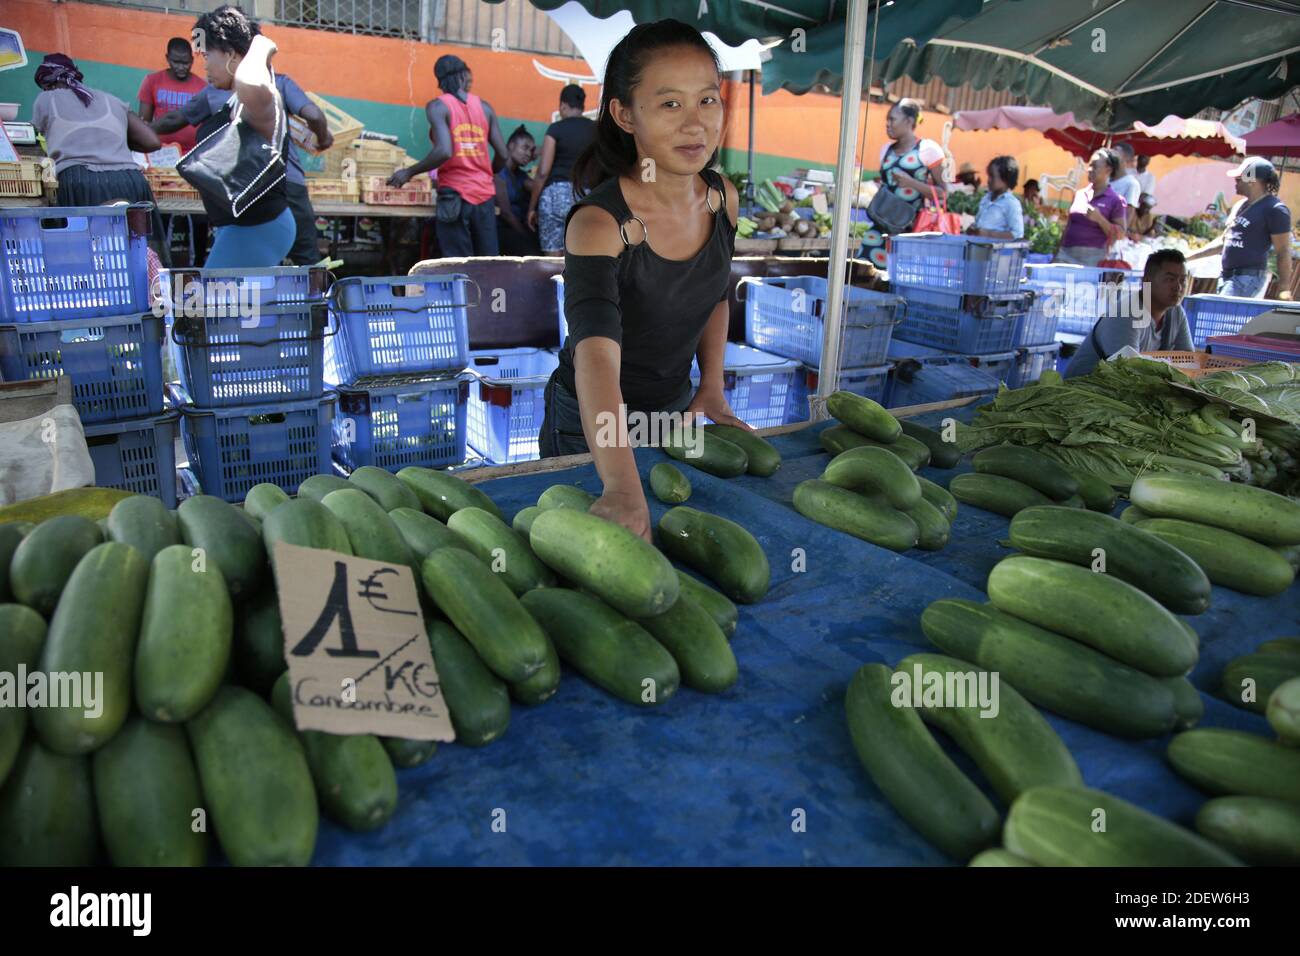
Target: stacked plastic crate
(1219, 315)
(397, 361)
(74, 300)
(1081, 295)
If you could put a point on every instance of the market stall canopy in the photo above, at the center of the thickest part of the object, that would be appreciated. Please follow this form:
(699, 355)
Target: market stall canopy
(1275, 139)
(1172, 136)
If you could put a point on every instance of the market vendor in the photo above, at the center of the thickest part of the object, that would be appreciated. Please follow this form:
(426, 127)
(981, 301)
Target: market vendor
(171, 89)
(910, 173)
(647, 263)
(1161, 325)
(1143, 222)
(1098, 214)
(1257, 223)
(1000, 214)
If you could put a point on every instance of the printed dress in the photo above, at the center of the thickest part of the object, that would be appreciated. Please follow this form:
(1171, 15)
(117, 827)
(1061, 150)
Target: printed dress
(915, 163)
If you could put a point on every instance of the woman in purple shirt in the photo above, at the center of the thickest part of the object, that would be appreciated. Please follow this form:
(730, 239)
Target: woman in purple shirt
(1096, 211)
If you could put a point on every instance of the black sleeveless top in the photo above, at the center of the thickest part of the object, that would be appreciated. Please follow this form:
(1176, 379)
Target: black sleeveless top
(655, 308)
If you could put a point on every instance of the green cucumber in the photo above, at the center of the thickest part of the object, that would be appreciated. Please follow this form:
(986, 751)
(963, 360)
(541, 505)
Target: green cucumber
(306, 523)
(697, 644)
(1261, 515)
(252, 522)
(1130, 554)
(371, 533)
(258, 649)
(493, 542)
(94, 632)
(1280, 645)
(1058, 826)
(11, 534)
(718, 548)
(442, 494)
(1257, 676)
(477, 700)
(718, 605)
(855, 514)
(565, 496)
(996, 493)
(1283, 712)
(47, 810)
(353, 776)
(1055, 672)
(1291, 552)
(144, 523)
(943, 454)
(405, 754)
(838, 439)
(706, 451)
(910, 769)
(1233, 762)
(524, 518)
(1187, 702)
(185, 637)
(999, 858)
(23, 633)
(146, 790)
(1013, 745)
(1133, 514)
(542, 686)
(1227, 558)
(256, 782)
(938, 496)
(1074, 501)
(1258, 830)
(229, 541)
(869, 419)
(613, 652)
(872, 470)
(1097, 495)
(619, 567)
(264, 498)
(668, 483)
(317, 487)
(1095, 609)
(932, 527)
(1028, 467)
(423, 533)
(484, 609)
(389, 491)
(764, 460)
(44, 560)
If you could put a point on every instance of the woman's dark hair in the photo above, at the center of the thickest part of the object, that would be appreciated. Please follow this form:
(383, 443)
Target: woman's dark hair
(1112, 160)
(519, 132)
(613, 151)
(1007, 168)
(1034, 184)
(909, 108)
(226, 28)
(574, 96)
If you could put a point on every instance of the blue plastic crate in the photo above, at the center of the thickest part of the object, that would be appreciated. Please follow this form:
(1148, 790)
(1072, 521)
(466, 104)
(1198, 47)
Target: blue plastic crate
(953, 322)
(507, 402)
(787, 316)
(1254, 348)
(969, 264)
(115, 364)
(1031, 362)
(1038, 325)
(937, 376)
(869, 382)
(1211, 315)
(756, 384)
(72, 262)
(402, 420)
(274, 354)
(397, 325)
(136, 455)
(196, 291)
(233, 449)
(1085, 292)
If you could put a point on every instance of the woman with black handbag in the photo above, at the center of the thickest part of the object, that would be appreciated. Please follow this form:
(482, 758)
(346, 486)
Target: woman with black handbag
(905, 165)
(238, 163)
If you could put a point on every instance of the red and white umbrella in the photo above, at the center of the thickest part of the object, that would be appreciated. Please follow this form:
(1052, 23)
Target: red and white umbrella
(1172, 136)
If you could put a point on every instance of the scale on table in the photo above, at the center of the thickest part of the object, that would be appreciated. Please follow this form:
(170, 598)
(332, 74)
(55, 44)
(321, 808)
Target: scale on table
(21, 134)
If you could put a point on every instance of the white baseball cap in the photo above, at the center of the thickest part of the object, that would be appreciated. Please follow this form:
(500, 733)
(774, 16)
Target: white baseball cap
(1254, 168)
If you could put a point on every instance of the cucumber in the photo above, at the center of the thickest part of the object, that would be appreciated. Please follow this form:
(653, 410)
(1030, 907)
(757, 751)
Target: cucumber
(1260, 675)
(542, 686)
(1014, 747)
(565, 496)
(763, 459)
(718, 548)
(1233, 762)
(44, 560)
(1228, 559)
(999, 858)
(389, 491)
(353, 776)
(256, 781)
(996, 493)
(1263, 516)
(146, 790)
(1187, 702)
(718, 605)
(838, 439)
(1283, 712)
(943, 454)
(699, 647)
(1074, 501)
(1261, 831)
(252, 522)
(1292, 554)
(94, 632)
(1055, 672)
(11, 534)
(264, 498)
(185, 637)
(441, 494)
(371, 533)
(613, 652)
(1028, 467)
(317, 487)
(708, 452)
(668, 484)
(405, 754)
(1057, 826)
(47, 810)
(855, 514)
(1095, 609)
(910, 769)
(872, 470)
(22, 632)
(1097, 495)
(619, 567)
(1280, 645)
(424, 533)
(484, 609)
(258, 649)
(524, 518)
(501, 549)
(938, 496)
(479, 703)
(867, 418)
(1133, 514)
(144, 523)
(230, 542)
(932, 527)
(306, 523)
(1143, 560)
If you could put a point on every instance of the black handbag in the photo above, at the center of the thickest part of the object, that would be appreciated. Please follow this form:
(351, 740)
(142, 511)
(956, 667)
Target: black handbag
(234, 165)
(889, 214)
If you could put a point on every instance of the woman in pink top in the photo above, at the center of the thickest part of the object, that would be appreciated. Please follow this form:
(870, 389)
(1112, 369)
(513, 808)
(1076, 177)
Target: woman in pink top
(1097, 215)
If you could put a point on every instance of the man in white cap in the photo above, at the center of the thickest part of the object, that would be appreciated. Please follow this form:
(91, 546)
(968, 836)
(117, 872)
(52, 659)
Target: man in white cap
(1257, 222)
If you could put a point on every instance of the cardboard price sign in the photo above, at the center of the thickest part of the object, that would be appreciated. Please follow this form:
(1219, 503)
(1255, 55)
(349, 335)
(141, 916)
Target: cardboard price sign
(354, 638)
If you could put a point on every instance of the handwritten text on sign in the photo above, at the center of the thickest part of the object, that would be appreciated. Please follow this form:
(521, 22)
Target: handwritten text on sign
(354, 638)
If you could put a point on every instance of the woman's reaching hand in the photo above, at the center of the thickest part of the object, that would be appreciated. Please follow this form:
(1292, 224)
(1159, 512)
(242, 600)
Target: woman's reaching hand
(626, 508)
(713, 404)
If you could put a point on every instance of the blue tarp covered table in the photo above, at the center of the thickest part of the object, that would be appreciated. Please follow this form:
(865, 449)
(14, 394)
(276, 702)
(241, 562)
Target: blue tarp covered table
(764, 774)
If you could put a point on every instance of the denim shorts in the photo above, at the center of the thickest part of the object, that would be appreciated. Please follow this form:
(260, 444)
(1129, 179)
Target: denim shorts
(561, 432)
(1248, 285)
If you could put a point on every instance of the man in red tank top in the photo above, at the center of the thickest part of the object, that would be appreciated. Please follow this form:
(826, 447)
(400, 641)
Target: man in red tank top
(461, 127)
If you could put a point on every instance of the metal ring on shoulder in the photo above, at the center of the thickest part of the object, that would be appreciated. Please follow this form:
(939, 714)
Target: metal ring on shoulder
(622, 230)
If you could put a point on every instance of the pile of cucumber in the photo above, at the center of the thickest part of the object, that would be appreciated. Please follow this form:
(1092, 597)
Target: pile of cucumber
(1009, 478)
(726, 451)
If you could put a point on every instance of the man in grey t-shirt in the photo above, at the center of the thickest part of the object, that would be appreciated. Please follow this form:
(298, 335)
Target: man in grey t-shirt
(1127, 184)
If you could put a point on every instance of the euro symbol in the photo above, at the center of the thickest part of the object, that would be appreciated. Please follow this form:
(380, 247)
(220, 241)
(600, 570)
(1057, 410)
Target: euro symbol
(372, 589)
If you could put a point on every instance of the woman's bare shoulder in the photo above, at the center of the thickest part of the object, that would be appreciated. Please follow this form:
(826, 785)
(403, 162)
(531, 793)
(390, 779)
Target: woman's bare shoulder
(592, 231)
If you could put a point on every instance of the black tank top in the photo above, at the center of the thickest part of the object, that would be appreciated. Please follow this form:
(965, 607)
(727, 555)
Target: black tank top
(274, 201)
(664, 304)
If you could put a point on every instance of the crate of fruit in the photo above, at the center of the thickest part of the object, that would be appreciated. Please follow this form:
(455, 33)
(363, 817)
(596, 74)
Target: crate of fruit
(417, 192)
(21, 180)
(333, 190)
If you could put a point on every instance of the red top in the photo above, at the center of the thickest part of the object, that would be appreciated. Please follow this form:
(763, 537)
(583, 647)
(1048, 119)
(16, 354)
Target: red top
(166, 94)
(469, 171)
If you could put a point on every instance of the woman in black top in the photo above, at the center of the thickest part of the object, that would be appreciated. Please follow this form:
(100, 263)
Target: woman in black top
(563, 143)
(647, 264)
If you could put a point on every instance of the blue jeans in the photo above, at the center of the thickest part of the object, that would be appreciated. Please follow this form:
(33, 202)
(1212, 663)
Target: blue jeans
(1248, 285)
(253, 247)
